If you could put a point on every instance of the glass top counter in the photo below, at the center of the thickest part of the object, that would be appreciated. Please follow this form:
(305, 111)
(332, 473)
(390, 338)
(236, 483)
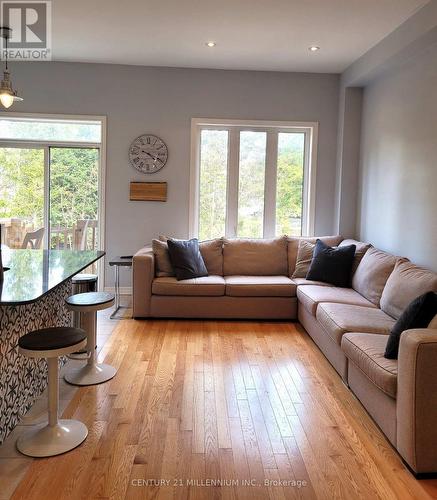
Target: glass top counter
(33, 273)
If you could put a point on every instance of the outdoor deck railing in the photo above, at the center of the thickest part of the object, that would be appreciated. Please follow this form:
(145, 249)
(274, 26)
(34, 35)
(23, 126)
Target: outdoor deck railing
(82, 236)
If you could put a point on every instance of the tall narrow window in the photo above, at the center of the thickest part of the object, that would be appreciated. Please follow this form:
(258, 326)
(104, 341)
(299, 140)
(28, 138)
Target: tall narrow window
(74, 198)
(21, 193)
(213, 178)
(289, 186)
(251, 182)
(252, 179)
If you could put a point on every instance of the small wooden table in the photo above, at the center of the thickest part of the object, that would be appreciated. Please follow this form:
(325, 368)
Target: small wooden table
(117, 262)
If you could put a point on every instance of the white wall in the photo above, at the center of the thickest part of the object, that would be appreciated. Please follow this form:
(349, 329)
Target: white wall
(397, 208)
(162, 101)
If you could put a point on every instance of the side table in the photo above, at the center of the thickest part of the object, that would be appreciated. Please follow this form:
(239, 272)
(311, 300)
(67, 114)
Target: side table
(117, 262)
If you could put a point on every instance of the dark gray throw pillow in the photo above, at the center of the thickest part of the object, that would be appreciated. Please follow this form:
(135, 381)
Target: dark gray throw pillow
(186, 259)
(418, 314)
(332, 265)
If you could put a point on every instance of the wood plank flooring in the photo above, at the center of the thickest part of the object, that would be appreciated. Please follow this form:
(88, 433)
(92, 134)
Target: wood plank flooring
(212, 410)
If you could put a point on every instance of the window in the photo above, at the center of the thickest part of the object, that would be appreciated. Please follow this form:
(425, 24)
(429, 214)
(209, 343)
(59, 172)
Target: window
(49, 129)
(213, 180)
(51, 178)
(252, 179)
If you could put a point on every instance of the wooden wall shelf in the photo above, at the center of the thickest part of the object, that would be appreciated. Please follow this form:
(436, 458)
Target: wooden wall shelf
(148, 191)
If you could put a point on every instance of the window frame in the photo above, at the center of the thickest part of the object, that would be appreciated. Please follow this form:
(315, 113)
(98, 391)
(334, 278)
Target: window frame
(46, 145)
(272, 129)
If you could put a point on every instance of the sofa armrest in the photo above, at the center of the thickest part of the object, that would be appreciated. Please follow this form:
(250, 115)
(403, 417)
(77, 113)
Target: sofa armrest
(143, 272)
(417, 399)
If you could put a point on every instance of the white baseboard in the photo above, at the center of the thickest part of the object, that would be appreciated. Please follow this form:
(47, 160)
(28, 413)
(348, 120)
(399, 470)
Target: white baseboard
(124, 290)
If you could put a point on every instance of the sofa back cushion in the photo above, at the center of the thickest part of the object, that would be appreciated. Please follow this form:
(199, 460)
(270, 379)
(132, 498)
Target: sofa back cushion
(255, 257)
(405, 283)
(211, 251)
(372, 274)
(293, 246)
(360, 251)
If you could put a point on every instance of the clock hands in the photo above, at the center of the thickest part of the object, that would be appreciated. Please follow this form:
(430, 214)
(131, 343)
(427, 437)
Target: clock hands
(154, 158)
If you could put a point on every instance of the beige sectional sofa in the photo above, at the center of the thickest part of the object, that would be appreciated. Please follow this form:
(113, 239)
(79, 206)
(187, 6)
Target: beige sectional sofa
(252, 279)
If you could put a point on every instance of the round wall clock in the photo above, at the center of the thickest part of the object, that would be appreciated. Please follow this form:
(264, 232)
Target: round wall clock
(148, 153)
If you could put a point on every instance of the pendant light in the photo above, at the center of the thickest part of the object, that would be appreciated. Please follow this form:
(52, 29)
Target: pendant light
(7, 95)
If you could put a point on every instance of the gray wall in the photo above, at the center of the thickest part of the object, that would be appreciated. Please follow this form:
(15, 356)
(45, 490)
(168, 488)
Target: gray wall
(162, 101)
(348, 160)
(398, 176)
(417, 32)
(403, 46)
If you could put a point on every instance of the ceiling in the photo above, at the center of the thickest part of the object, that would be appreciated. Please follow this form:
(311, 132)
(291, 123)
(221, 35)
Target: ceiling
(250, 34)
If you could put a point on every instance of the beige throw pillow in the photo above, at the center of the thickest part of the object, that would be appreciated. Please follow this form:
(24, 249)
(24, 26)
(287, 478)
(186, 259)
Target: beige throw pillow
(212, 254)
(360, 251)
(163, 267)
(303, 259)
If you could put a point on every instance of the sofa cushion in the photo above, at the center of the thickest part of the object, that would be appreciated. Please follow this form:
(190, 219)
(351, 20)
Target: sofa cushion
(418, 314)
(211, 251)
(311, 295)
(360, 251)
(332, 265)
(205, 286)
(293, 245)
(372, 274)
(186, 259)
(338, 319)
(304, 281)
(303, 259)
(255, 257)
(163, 265)
(366, 352)
(260, 286)
(405, 283)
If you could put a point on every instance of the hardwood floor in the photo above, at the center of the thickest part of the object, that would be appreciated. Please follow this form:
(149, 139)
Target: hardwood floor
(245, 403)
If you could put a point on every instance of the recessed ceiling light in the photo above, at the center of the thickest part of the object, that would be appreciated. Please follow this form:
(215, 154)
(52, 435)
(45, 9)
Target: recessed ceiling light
(211, 44)
(313, 48)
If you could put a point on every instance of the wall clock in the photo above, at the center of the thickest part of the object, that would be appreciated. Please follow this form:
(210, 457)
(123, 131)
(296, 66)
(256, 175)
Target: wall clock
(148, 153)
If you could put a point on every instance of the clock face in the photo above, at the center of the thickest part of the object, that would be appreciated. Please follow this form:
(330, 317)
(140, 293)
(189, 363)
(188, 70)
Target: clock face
(148, 153)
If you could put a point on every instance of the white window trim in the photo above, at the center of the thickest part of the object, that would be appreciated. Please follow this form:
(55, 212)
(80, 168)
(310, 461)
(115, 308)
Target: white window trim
(235, 126)
(82, 144)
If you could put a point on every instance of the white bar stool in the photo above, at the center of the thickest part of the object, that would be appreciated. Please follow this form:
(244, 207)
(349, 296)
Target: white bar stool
(58, 436)
(88, 304)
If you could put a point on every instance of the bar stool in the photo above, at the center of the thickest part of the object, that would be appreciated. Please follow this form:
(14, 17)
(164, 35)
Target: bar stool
(58, 436)
(88, 304)
(82, 283)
